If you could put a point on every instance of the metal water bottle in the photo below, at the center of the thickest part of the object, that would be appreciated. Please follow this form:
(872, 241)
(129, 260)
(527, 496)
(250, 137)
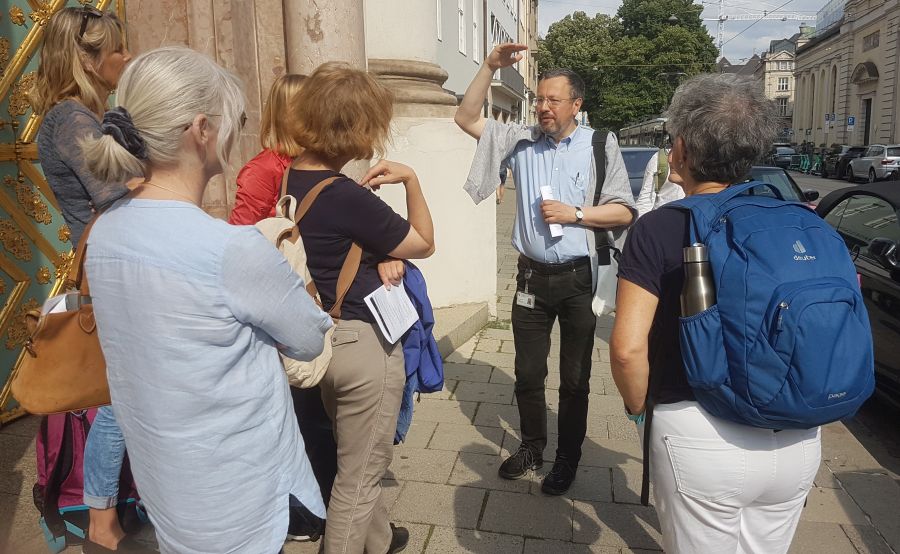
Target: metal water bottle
(698, 292)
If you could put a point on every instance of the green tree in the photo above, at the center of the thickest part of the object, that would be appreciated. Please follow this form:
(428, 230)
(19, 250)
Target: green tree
(631, 63)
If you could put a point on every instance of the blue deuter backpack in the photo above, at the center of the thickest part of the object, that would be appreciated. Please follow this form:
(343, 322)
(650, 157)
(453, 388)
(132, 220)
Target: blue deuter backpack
(788, 344)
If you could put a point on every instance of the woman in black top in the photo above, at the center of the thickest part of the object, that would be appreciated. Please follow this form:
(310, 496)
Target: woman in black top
(719, 486)
(343, 114)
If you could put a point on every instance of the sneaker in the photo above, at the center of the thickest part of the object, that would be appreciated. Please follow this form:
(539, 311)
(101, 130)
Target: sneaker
(304, 525)
(560, 478)
(126, 546)
(517, 465)
(399, 539)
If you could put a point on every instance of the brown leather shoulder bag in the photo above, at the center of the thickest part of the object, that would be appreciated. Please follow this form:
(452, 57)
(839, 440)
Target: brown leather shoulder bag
(63, 368)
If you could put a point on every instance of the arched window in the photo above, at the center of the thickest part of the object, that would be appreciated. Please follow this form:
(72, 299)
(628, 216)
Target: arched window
(834, 88)
(811, 118)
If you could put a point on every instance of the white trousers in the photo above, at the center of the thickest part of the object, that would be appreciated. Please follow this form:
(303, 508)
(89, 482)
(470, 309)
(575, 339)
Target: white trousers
(722, 487)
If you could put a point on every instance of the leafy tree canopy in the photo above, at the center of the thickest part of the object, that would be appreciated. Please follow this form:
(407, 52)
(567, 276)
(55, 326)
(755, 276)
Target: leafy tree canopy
(631, 63)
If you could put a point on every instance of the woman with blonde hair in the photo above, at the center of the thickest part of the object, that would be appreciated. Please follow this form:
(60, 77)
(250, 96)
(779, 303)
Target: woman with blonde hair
(82, 59)
(259, 181)
(191, 313)
(344, 114)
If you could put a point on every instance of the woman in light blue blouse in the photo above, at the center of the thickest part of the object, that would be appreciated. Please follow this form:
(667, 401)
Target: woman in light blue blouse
(191, 313)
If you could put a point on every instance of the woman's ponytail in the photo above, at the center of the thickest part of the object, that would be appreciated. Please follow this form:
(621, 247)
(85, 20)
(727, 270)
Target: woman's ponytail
(119, 154)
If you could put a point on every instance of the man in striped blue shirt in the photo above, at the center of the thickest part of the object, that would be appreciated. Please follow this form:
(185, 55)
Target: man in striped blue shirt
(553, 168)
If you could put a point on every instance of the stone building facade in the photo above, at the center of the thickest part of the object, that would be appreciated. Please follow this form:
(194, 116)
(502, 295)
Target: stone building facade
(851, 70)
(775, 72)
(396, 40)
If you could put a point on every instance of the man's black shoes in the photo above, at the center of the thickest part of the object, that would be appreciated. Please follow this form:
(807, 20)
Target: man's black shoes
(560, 478)
(399, 539)
(517, 465)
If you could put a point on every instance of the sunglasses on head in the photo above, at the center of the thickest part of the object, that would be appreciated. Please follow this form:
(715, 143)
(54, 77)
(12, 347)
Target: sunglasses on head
(87, 12)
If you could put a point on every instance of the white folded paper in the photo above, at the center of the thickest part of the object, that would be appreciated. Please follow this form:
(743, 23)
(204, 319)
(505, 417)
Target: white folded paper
(556, 229)
(393, 310)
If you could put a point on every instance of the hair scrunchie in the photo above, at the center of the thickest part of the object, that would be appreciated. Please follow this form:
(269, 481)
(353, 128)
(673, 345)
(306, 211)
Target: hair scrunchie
(118, 124)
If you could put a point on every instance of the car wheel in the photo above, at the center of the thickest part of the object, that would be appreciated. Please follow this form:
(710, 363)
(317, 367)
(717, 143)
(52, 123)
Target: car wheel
(871, 175)
(848, 174)
(824, 172)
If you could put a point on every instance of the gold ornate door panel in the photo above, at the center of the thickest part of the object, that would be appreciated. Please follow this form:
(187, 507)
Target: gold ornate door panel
(35, 252)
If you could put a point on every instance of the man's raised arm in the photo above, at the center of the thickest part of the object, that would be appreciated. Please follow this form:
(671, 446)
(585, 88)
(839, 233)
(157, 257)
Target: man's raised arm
(469, 113)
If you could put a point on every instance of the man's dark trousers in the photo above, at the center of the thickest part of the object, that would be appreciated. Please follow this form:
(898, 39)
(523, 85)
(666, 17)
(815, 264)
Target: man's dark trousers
(561, 291)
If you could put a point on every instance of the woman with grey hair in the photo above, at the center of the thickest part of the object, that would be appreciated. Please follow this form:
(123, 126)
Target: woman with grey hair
(191, 313)
(719, 486)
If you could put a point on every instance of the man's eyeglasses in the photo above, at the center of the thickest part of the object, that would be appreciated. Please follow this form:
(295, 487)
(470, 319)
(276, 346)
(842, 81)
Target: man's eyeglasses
(87, 12)
(552, 102)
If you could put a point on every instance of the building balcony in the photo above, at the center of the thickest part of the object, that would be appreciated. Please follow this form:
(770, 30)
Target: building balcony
(510, 80)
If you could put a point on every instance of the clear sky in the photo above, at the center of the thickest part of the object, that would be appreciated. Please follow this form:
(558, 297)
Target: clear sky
(755, 39)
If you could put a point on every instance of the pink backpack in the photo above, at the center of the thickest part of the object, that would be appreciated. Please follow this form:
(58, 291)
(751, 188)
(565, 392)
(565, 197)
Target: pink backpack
(58, 493)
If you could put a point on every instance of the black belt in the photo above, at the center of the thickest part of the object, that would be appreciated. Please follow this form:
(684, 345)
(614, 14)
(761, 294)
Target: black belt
(553, 269)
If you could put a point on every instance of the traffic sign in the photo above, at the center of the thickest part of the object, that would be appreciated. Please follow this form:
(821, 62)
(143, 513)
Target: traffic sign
(851, 122)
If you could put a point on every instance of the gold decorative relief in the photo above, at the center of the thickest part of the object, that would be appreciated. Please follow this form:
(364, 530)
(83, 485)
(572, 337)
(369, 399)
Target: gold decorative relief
(18, 332)
(13, 240)
(43, 275)
(64, 233)
(42, 13)
(4, 53)
(63, 265)
(2, 286)
(16, 15)
(29, 200)
(84, 2)
(18, 100)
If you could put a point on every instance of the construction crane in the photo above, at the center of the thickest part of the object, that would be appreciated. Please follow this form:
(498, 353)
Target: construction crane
(764, 15)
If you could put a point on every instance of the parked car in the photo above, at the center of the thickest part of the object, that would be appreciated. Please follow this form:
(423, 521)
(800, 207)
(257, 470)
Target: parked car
(785, 183)
(873, 166)
(893, 171)
(836, 161)
(866, 218)
(780, 156)
(636, 160)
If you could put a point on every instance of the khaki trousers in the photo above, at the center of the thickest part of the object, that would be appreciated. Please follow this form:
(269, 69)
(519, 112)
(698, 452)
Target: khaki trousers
(361, 391)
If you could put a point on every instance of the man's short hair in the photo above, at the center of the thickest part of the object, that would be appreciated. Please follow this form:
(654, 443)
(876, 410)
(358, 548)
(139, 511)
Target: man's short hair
(575, 80)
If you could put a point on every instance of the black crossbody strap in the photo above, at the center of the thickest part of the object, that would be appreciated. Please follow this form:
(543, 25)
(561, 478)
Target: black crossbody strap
(601, 236)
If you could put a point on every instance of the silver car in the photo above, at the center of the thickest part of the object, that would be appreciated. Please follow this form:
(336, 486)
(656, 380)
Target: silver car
(878, 163)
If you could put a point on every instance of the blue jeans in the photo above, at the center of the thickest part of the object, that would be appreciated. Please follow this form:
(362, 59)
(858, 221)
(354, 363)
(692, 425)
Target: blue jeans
(103, 455)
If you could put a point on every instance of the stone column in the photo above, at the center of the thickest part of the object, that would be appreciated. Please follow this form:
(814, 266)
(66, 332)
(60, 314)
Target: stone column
(245, 36)
(402, 46)
(401, 38)
(317, 32)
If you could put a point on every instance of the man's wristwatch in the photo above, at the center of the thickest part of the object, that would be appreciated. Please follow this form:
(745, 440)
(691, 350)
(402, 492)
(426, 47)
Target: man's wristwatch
(579, 215)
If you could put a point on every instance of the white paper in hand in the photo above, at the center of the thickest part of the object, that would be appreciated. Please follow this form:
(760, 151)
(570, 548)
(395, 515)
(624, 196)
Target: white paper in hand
(393, 310)
(556, 229)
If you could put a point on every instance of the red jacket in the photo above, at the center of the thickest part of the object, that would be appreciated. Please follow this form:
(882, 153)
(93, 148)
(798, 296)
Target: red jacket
(258, 188)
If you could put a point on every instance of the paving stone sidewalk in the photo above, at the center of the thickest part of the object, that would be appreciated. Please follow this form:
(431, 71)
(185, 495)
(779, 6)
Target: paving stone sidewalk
(443, 482)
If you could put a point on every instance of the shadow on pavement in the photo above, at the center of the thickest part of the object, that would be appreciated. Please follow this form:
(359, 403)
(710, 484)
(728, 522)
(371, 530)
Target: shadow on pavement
(601, 508)
(19, 530)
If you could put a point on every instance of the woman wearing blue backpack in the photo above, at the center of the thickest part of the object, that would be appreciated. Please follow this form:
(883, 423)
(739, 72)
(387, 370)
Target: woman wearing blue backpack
(720, 485)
